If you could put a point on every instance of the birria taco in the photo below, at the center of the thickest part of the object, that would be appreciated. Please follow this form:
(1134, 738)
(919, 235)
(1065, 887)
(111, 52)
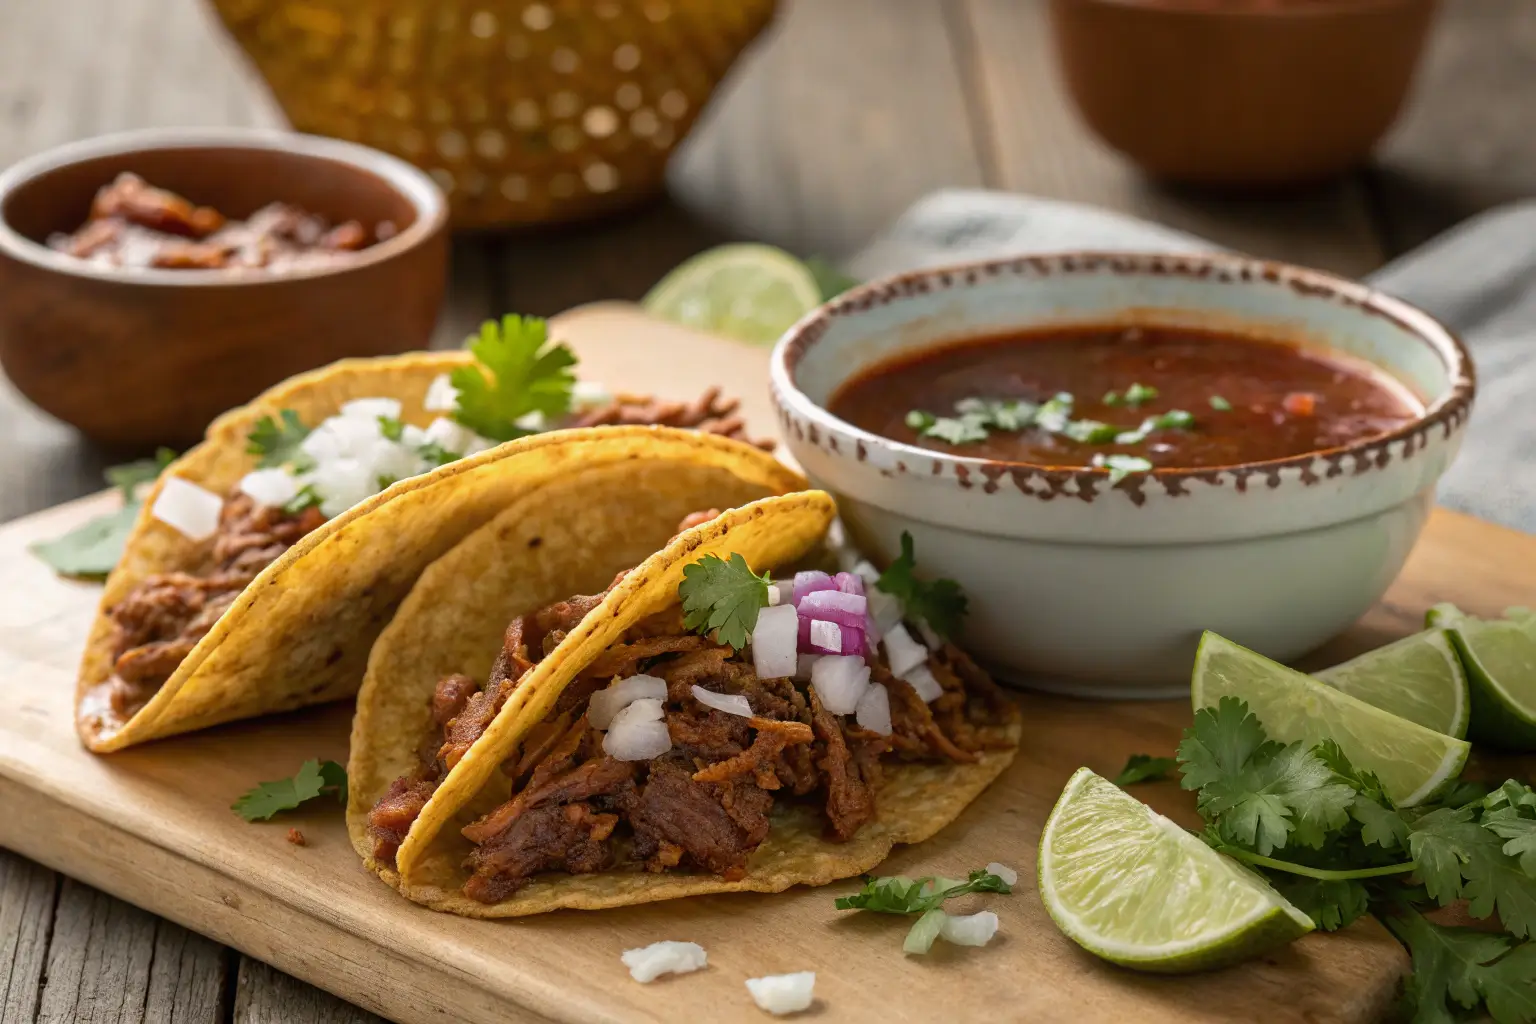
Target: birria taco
(267, 559)
(682, 726)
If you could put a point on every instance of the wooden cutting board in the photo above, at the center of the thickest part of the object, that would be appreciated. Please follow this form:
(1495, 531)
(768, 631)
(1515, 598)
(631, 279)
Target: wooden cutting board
(153, 826)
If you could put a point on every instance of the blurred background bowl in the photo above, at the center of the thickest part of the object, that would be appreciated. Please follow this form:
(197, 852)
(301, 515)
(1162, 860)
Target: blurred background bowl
(1241, 94)
(147, 356)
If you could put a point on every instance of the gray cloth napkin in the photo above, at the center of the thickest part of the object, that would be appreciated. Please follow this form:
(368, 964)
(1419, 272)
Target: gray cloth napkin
(1479, 279)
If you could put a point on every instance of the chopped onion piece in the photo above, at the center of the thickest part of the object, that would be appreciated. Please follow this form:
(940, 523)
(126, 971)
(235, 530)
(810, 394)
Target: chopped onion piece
(840, 682)
(834, 606)
(187, 507)
(866, 571)
(923, 931)
(371, 408)
(883, 608)
(442, 396)
(589, 394)
(730, 703)
(638, 732)
(932, 639)
(809, 582)
(773, 596)
(803, 663)
(532, 422)
(1004, 872)
(783, 993)
(902, 651)
(342, 482)
(874, 710)
(453, 437)
(848, 583)
(826, 637)
(607, 703)
(969, 929)
(275, 486)
(922, 680)
(775, 641)
(650, 962)
(781, 592)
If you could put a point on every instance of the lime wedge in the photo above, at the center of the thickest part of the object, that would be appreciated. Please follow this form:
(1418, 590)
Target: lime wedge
(749, 292)
(1412, 762)
(1443, 614)
(1419, 678)
(1127, 884)
(1500, 655)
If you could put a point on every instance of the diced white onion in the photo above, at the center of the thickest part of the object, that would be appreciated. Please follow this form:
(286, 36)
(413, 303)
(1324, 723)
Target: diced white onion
(803, 663)
(903, 653)
(866, 571)
(969, 929)
(455, 437)
(618, 696)
(342, 482)
(589, 394)
(638, 733)
(828, 636)
(730, 703)
(188, 508)
(372, 408)
(532, 422)
(922, 680)
(840, 682)
(848, 558)
(783, 993)
(442, 396)
(275, 486)
(883, 608)
(650, 962)
(773, 596)
(782, 592)
(874, 710)
(775, 640)
(837, 536)
(932, 639)
(412, 436)
(1004, 872)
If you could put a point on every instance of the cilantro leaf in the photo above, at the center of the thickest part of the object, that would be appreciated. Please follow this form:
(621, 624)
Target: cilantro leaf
(1220, 404)
(391, 428)
(436, 454)
(940, 603)
(1509, 986)
(1331, 903)
(130, 476)
(1144, 768)
(306, 498)
(1137, 394)
(1521, 833)
(1447, 963)
(1120, 466)
(1222, 741)
(314, 778)
(276, 442)
(517, 372)
(723, 597)
(898, 894)
(92, 549)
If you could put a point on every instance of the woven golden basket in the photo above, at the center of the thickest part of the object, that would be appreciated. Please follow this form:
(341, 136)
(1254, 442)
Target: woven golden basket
(525, 111)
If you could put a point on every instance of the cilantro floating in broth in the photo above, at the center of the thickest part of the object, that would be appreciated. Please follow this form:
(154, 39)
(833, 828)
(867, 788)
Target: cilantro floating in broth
(1090, 431)
(1121, 466)
(1138, 394)
(1220, 404)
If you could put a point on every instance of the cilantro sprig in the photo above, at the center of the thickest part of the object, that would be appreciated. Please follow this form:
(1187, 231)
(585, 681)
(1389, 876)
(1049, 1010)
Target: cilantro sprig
(1145, 768)
(517, 372)
(924, 896)
(940, 603)
(723, 597)
(314, 779)
(92, 549)
(276, 442)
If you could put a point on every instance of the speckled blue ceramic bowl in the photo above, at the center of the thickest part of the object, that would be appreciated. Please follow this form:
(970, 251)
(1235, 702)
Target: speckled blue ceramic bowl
(1080, 585)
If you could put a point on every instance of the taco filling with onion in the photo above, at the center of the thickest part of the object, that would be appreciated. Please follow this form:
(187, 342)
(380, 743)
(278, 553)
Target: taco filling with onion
(747, 734)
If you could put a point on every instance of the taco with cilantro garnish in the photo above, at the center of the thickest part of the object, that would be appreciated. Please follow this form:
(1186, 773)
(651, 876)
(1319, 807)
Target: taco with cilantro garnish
(682, 725)
(266, 560)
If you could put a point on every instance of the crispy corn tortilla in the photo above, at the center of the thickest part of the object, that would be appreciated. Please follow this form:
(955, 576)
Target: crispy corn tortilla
(444, 627)
(300, 632)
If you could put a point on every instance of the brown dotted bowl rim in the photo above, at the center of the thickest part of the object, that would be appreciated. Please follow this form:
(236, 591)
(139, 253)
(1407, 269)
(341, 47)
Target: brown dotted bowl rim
(1316, 11)
(409, 182)
(1449, 410)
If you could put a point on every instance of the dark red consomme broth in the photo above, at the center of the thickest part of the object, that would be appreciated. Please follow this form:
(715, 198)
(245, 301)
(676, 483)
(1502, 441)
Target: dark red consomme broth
(1249, 399)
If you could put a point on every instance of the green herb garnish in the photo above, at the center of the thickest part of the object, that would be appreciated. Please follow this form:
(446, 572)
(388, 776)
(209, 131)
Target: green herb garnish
(1054, 414)
(1113, 398)
(1173, 419)
(940, 603)
(1145, 768)
(1138, 394)
(527, 374)
(436, 454)
(130, 476)
(919, 420)
(1220, 404)
(961, 430)
(314, 779)
(1091, 431)
(1121, 466)
(391, 428)
(92, 549)
(276, 442)
(924, 896)
(723, 597)
(306, 498)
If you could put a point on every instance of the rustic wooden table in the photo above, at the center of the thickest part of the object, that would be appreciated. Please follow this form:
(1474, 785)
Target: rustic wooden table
(845, 113)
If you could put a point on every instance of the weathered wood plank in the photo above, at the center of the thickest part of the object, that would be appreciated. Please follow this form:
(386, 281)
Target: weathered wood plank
(265, 995)
(27, 894)
(1036, 143)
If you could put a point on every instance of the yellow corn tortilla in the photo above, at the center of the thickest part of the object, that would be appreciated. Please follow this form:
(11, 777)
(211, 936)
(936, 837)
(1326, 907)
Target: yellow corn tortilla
(445, 627)
(300, 632)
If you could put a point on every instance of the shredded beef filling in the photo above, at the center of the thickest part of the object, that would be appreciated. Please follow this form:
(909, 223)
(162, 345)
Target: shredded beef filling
(159, 622)
(709, 413)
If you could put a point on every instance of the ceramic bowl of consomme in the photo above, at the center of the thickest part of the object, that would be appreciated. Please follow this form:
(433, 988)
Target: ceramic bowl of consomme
(1113, 452)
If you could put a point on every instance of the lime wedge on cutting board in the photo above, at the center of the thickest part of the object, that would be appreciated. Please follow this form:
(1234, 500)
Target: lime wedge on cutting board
(1500, 656)
(752, 293)
(1411, 761)
(1128, 885)
(1419, 678)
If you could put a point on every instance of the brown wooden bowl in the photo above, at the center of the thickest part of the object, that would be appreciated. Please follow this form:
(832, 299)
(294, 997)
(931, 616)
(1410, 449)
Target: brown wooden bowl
(134, 357)
(1240, 94)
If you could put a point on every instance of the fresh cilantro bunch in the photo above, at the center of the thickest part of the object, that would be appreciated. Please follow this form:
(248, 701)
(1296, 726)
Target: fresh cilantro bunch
(315, 778)
(517, 372)
(1333, 843)
(940, 603)
(723, 597)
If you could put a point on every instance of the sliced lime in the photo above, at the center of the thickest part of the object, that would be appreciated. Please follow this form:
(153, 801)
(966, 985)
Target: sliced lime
(1412, 762)
(748, 292)
(1127, 884)
(1419, 678)
(1500, 655)
(1443, 614)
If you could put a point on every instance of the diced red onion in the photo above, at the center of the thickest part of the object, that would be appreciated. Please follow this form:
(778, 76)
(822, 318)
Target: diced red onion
(840, 682)
(803, 665)
(607, 703)
(848, 583)
(730, 703)
(648, 963)
(969, 929)
(275, 486)
(188, 508)
(809, 582)
(826, 636)
(1004, 872)
(783, 993)
(775, 641)
(883, 608)
(874, 710)
(834, 606)
(638, 732)
(903, 653)
(922, 681)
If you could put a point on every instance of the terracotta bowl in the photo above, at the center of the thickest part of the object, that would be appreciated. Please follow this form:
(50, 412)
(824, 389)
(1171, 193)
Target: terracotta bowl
(139, 357)
(1240, 94)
